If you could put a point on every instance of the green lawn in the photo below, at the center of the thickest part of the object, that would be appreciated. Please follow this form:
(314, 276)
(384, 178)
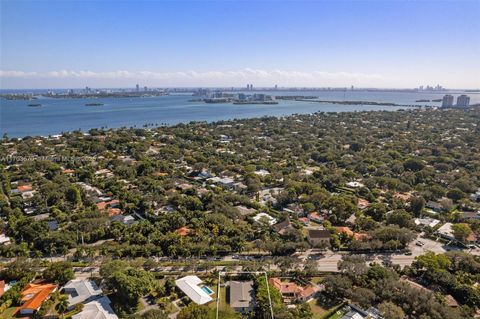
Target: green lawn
(320, 312)
(224, 310)
(317, 310)
(8, 313)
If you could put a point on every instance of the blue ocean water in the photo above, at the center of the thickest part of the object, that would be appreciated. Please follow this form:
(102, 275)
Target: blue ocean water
(55, 116)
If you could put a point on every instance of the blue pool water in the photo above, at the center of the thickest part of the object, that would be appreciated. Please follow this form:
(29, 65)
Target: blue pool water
(207, 290)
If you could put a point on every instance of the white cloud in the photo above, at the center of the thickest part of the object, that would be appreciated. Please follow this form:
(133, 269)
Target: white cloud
(232, 77)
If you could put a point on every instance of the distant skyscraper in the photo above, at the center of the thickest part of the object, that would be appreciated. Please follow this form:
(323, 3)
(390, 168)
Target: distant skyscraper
(463, 101)
(145, 89)
(137, 88)
(352, 88)
(276, 87)
(447, 101)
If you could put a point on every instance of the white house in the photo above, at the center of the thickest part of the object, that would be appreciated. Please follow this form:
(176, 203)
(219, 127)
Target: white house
(270, 219)
(81, 291)
(190, 285)
(446, 231)
(99, 308)
(426, 222)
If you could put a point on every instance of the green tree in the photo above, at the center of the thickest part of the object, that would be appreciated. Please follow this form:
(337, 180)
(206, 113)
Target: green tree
(461, 231)
(59, 272)
(193, 311)
(391, 311)
(62, 305)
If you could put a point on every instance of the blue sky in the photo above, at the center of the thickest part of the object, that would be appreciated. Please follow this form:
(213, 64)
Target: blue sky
(231, 43)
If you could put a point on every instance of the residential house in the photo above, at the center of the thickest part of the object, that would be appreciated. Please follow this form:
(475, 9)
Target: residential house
(426, 222)
(2, 287)
(242, 296)
(355, 312)
(81, 291)
(183, 231)
(362, 203)
(316, 217)
(295, 209)
(262, 172)
(33, 296)
(355, 184)
(263, 216)
(350, 233)
(4, 240)
(191, 286)
(304, 220)
(446, 231)
(291, 291)
(435, 206)
(282, 227)
(245, 211)
(97, 309)
(319, 237)
(469, 215)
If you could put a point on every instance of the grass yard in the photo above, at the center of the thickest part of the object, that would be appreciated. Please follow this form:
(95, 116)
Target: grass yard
(224, 310)
(8, 313)
(320, 312)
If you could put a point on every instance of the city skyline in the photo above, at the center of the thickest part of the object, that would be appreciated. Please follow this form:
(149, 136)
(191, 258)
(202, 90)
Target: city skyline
(390, 44)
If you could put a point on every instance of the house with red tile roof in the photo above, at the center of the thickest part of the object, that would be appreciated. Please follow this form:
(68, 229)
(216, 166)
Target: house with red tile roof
(33, 296)
(183, 231)
(315, 217)
(2, 287)
(293, 292)
(350, 233)
(304, 220)
(362, 203)
(114, 212)
(25, 188)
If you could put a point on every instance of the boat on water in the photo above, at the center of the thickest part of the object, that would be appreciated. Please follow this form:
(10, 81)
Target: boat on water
(437, 100)
(34, 104)
(94, 104)
(422, 101)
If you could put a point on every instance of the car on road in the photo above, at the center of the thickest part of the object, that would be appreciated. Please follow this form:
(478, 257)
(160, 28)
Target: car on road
(408, 253)
(419, 243)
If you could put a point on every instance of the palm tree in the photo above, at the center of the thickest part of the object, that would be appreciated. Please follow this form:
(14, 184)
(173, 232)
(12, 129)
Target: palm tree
(62, 305)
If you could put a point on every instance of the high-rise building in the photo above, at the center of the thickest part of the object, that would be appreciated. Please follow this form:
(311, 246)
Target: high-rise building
(276, 87)
(447, 101)
(137, 88)
(463, 101)
(145, 89)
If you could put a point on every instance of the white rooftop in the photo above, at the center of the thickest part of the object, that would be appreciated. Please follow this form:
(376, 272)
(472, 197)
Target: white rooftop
(81, 290)
(190, 286)
(446, 230)
(271, 220)
(97, 309)
(427, 221)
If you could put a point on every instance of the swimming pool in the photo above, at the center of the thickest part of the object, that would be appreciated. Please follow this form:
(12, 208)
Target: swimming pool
(207, 290)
